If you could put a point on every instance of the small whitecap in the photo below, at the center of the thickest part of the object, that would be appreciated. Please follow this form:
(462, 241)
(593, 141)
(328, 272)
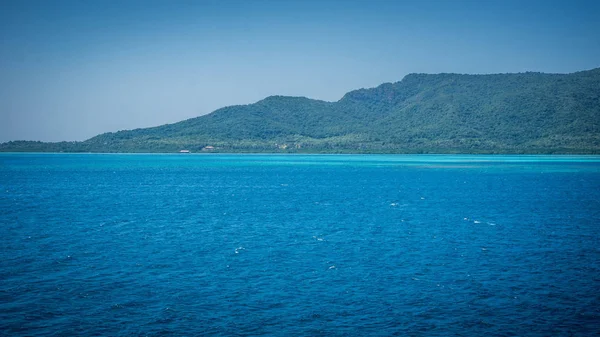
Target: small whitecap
(332, 267)
(476, 221)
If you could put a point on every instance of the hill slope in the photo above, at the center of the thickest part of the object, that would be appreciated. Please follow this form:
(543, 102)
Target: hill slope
(443, 113)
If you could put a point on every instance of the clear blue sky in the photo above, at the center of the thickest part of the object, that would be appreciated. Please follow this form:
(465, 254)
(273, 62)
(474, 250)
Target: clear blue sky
(72, 69)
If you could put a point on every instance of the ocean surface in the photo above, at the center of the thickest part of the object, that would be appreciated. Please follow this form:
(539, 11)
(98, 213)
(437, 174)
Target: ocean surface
(299, 245)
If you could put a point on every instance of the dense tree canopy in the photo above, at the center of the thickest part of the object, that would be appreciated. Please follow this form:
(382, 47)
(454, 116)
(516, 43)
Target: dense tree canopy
(444, 113)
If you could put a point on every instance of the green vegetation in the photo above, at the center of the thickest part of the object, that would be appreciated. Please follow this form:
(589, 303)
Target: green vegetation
(444, 113)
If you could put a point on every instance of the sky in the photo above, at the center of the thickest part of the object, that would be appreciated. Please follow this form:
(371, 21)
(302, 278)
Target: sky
(70, 70)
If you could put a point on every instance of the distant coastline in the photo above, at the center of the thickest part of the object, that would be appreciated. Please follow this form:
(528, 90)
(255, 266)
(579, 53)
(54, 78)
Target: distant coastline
(523, 113)
(549, 152)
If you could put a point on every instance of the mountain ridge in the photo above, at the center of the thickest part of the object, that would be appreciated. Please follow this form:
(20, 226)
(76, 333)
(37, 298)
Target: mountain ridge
(422, 113)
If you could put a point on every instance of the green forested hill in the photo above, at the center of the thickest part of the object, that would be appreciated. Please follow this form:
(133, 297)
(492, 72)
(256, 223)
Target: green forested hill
(443, 113)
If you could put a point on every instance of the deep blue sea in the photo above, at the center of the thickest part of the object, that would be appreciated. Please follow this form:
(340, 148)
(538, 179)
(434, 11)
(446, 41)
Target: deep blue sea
(299, 245)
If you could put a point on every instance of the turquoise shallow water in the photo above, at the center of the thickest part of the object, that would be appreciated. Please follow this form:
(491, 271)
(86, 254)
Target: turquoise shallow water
(299, 245)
